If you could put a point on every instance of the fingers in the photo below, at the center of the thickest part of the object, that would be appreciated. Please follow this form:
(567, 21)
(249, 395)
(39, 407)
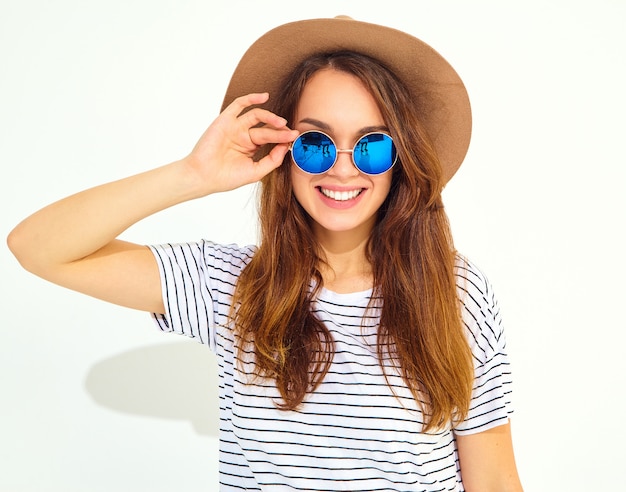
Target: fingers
(225, 155)
(263, 135)
(255, 117)
(258, 116)
(236, 107)
(272, 160)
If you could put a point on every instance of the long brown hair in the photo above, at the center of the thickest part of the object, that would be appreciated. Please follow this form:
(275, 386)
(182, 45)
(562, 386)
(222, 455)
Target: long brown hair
(410, 250)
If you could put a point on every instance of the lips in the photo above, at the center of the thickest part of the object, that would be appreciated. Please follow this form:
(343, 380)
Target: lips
(341, 195)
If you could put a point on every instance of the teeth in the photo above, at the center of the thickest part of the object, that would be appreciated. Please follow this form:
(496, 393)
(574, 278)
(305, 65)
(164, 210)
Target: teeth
(341, 196)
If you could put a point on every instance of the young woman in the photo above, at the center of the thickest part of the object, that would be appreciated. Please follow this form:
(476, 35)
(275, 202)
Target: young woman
(357, 350)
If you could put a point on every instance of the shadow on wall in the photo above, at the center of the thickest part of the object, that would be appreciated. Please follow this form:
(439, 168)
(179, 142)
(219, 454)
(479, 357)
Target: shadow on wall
(173, 381)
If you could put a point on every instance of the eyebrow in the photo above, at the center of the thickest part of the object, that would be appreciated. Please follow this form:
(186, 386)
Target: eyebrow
(326, 127)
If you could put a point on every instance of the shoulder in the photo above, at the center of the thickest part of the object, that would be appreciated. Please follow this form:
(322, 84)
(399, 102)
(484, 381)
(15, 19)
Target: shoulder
(474, 289)
(480, 312)
(470, 279)
(230, 256)
(204, 255)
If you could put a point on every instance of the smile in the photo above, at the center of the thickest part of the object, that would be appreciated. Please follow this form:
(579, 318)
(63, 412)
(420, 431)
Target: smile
(341, 196)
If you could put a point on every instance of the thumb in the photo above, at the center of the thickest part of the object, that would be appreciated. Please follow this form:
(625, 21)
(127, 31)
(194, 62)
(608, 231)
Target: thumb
(273, 159)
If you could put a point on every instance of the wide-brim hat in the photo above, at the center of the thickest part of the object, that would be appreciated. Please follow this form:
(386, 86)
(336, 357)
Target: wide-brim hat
(439, 93)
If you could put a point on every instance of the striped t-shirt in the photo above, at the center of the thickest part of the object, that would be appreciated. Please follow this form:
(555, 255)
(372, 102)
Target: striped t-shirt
(358, 431)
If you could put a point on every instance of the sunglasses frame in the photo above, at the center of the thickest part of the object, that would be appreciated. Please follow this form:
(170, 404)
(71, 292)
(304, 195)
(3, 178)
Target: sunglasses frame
(344, 151)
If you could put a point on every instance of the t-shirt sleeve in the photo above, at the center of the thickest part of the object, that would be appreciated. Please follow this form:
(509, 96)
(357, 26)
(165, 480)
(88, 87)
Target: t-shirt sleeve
(491, 403)
(197, 283)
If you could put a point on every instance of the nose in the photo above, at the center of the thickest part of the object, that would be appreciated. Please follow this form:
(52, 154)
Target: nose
(344, 167)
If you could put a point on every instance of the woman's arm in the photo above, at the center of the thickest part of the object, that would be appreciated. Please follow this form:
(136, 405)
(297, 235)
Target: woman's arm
(487, 461)
(73, 242)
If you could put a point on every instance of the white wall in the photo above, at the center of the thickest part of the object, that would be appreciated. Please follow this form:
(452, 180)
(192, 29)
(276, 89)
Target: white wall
(92, 398)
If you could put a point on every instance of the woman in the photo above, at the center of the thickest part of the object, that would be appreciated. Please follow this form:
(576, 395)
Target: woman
(357, 350)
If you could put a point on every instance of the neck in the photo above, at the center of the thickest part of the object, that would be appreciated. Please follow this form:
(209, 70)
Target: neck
(347, 268)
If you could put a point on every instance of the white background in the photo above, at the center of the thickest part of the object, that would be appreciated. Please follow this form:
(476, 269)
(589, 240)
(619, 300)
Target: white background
(93, 398)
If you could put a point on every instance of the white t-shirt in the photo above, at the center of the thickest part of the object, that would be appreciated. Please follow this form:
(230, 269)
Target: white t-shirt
(354, 432)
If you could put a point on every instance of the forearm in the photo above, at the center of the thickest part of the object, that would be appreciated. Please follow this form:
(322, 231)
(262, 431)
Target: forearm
(488, 462)
(56, 240)
(81, 224)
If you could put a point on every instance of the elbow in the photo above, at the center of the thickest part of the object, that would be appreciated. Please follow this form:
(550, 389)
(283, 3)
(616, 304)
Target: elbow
(13, 243)
(20, 246)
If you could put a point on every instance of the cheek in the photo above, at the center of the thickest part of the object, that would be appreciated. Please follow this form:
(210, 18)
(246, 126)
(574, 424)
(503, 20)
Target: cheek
(383, 185)
(299, 183)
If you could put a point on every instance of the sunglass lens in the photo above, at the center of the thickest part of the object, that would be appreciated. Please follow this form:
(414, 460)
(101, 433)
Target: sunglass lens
(375, 153)
(314, 152)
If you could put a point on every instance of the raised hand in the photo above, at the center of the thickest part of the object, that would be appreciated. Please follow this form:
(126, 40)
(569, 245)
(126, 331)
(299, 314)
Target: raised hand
(223, 160)
(64, 244)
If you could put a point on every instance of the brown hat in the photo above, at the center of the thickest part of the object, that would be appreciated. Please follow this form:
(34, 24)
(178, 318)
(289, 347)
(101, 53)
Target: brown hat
(438, 91)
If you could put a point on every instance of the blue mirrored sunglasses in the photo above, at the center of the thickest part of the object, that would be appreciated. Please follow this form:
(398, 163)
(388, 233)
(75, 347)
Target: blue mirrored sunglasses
(315, 153)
